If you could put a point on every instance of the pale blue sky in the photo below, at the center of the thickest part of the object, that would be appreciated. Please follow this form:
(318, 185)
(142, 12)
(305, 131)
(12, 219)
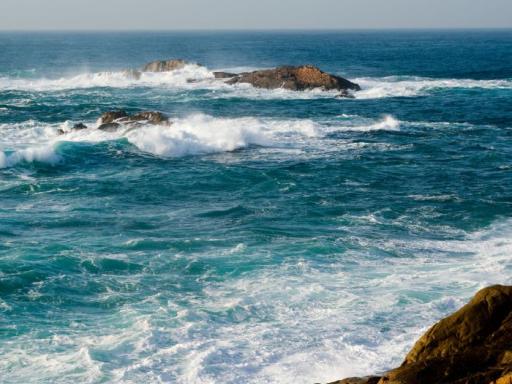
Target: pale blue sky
(253, 14)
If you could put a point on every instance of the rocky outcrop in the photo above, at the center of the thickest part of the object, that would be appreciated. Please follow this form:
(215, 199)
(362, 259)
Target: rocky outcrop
(472, 346)
(360, 380)
(295, 78)
(224, 75)
(111, 121)
(299, 78)
(164, 65)
(79, 126)
(111, 116)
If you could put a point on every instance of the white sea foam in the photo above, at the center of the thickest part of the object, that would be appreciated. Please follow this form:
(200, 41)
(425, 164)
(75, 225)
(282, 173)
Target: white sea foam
(121, 79)
(192, 135)
(43, 154)
(387, 123)
(194, 76)
(406, 86)
(291, 322)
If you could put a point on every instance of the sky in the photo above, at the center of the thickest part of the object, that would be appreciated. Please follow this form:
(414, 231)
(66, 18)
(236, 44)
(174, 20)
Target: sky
(252, 14)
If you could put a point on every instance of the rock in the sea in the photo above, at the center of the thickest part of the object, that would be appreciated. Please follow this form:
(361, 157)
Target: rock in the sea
(472, 346)
(109, 127)
(224, 75)
(79, 126)
(295, 78)
(359, 380)
(150, 117)
(109, 117)
(164, 65)
(76, 127)
(111, 121)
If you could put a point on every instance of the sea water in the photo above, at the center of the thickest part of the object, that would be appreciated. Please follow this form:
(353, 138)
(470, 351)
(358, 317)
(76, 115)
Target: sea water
(267, 236)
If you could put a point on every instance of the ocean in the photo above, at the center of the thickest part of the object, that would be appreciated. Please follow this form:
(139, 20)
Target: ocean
(267, 236)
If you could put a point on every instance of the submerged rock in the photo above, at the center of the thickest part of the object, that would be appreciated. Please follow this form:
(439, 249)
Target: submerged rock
(295, 78)
(472, 346)
(164, 65)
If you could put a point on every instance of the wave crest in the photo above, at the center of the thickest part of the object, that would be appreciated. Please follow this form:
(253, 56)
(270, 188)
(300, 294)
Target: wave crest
(405, 86)
(45, 154)
(120, 79)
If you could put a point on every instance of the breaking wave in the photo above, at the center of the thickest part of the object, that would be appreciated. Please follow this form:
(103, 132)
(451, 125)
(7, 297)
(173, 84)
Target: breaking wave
(194, 76)
(192, 135)
(405, 86)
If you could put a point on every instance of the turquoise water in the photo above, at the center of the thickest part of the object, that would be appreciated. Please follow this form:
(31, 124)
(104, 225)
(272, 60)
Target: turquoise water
(265, 237)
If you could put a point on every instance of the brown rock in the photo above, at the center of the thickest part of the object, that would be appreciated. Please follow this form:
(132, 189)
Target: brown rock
(156, 118)
(111, 121)
(477, 324)
(109, 117)
(295, 78)
(164, 65)
(109, 127)
(507, 379)
(359, 380)
(472, 346)
(224, 75)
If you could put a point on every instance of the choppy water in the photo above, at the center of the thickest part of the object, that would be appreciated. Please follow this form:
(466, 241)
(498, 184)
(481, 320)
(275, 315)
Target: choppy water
(265, 237)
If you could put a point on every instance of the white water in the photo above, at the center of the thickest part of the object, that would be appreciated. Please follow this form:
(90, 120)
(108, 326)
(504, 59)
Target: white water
(408, 86)
(193, 77)
(295, 322)
(193, 135)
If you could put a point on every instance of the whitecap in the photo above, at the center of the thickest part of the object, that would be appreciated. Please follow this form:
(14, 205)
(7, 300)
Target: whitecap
(409, 86)
(44, 154)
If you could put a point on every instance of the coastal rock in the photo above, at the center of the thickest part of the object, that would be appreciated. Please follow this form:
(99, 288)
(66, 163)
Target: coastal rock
(109, 117)
(164, 65)
(295, 78)
(111, 121)
(79, 126)
(151, 117)
(359, 380)
(109, 127)
(76, 127)
(471, 346)
(224, 75)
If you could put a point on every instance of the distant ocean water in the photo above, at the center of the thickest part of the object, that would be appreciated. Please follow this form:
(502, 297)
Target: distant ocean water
(265, 237)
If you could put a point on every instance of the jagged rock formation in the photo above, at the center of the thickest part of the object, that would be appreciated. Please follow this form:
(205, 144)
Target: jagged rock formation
(295, 78)
(112, 120)
(164, 65)
(224, 75)
(472, 346)
(299, 78)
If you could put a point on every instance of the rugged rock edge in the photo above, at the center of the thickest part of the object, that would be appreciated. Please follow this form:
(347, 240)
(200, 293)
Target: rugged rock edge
(471, 346)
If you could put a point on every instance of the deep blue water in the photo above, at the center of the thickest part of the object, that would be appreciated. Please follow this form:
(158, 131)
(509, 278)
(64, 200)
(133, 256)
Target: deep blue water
(266, 236)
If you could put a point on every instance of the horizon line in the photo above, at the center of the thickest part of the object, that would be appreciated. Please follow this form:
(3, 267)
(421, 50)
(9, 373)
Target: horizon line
(355, 29)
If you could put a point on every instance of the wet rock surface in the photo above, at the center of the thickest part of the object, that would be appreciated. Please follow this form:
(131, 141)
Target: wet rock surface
(113, 120)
